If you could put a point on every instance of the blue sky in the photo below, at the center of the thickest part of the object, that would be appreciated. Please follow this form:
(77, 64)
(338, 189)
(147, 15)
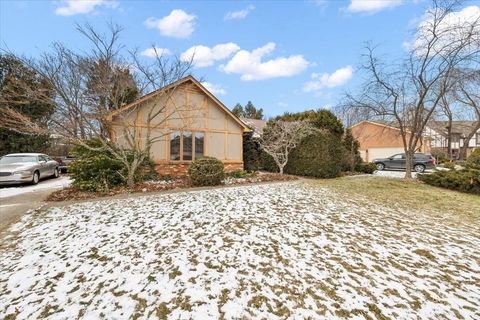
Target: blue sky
(281, 55)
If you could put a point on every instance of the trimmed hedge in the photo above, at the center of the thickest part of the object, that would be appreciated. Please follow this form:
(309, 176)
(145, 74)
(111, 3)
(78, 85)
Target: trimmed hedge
(467, 180)
(206, 171)
(319, 155)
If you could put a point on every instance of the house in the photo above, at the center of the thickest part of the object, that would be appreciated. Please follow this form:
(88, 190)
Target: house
(191, 123)
(380, 140)
(256, 125)
(438, 130)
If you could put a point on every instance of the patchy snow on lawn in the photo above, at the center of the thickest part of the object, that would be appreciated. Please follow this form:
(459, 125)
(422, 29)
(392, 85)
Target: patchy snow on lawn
(59, 183)
(274, 251)
(393, 174)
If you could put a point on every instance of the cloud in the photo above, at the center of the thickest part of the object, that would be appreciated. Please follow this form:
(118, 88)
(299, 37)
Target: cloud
(239, 15)
(178, 24)
(448, 31)
(372, 6)
(155, 51)
(73, 7)
(325, 80)
(204, 56)
(214, 88)
(251, 67)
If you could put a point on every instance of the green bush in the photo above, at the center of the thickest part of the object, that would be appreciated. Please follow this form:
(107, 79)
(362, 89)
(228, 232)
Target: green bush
(206, 171)
(473, 161)
(467, 180)
(251, 153)
(319, 155)
(239, 173)
(96, 173)
(366, 167)
(267, 163)
(99, 171)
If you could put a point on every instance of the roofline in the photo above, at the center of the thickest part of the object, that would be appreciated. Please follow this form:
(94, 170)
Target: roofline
(376, 123)
(176, 83)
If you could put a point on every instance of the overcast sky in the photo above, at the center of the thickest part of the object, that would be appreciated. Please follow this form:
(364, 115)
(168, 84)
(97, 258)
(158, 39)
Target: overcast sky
(283, 56)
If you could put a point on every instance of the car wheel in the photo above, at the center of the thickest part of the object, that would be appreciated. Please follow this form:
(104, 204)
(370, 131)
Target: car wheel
(380, 166)
(419, 168)
(56, 173)
(36, 177)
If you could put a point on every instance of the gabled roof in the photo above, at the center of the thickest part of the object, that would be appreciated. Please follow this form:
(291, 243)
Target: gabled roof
(172, 85)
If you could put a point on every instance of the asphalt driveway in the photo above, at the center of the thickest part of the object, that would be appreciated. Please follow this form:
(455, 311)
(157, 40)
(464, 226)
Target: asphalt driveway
(17, 200)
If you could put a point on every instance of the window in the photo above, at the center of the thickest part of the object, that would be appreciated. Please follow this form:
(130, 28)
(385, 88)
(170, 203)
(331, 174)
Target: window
(199, 141)
(186, 146)
(398, 157)
(175, 146)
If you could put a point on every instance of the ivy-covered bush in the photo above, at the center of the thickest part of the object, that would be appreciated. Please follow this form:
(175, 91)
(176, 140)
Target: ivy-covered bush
(319, 155)
(366, 167)
(467, 180)
(206, 171)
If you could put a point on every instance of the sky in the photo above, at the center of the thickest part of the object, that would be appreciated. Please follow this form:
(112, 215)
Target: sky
(281, 55)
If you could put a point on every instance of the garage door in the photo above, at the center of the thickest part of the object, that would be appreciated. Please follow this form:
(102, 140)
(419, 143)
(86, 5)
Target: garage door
(374, 153)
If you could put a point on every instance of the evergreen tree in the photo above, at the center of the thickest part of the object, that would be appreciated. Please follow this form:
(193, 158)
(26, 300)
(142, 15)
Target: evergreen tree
(238, 110)
(17, 83)
(253, 113)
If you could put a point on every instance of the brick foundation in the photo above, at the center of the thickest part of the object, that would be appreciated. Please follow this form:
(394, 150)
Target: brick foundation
(181, 169)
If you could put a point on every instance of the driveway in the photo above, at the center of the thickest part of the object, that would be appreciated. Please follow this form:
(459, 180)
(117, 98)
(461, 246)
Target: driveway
(16, 200)
(291, 250)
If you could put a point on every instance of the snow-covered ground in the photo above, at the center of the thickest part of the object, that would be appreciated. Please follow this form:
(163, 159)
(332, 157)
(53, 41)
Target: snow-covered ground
(58, 183)
(393, 174)
(274, 251)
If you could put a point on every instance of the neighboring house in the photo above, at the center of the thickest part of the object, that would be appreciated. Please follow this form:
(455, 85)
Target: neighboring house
(256, 125)
(198, 125)
(438, 130)
(378, 140)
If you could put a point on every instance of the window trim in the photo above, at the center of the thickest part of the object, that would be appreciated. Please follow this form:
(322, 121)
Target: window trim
(181, 144)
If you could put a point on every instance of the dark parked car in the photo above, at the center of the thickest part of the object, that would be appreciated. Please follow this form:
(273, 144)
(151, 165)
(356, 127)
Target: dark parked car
(64, 162)
(421, 161)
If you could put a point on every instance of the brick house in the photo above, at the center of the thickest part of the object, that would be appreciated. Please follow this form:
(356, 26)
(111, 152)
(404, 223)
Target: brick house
(378, 140)
(197, 124)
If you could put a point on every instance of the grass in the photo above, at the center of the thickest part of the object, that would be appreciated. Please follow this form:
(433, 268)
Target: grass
(410, 195)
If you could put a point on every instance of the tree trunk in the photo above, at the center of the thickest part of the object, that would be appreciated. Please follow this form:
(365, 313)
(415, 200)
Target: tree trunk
(281, 169)
(449, 137)
(130, 178)
(408, 163)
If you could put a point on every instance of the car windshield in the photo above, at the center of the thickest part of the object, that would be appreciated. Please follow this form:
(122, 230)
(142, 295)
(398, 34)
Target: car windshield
(17, 159)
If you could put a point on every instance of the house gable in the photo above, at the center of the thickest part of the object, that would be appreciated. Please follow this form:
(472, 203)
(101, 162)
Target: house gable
(193, 115)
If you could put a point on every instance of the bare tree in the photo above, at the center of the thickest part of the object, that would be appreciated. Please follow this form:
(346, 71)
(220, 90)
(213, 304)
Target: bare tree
(90, 87)
(467, 93)
(280, 137)
(407, 93)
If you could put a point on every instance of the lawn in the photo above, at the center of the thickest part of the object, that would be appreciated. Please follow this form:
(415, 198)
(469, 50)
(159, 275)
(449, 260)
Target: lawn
(299, 250)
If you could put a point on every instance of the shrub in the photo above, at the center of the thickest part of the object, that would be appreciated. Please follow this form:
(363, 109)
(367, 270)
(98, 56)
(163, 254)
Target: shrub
(96, 173)
(99, 171)
(449, 164)
(366, 167)
(319, 155)
(473, 161)
(206, 171)
(267, 163)
(239, 173)
(462, 180)
(251, 153)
